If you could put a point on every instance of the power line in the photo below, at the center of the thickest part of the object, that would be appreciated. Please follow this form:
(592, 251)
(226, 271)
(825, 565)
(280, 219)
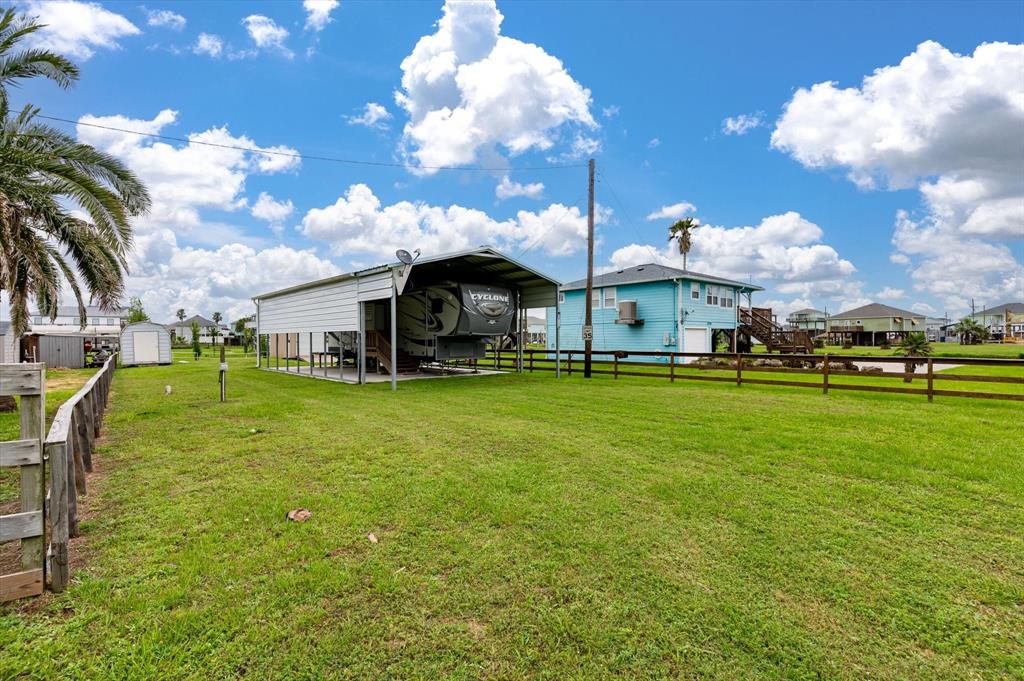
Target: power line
(625, 214)
(565, 212)
(310, 157)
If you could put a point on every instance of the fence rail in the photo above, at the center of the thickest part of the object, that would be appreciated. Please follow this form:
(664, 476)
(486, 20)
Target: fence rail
(695, 366)
(49, 505)
(68, 448)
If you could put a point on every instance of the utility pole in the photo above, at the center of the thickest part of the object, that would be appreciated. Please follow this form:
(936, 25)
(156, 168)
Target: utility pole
(588, 326)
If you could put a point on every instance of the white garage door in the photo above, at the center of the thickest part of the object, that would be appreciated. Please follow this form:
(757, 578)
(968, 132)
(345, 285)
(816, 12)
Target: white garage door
(694, 340)
(147, 346)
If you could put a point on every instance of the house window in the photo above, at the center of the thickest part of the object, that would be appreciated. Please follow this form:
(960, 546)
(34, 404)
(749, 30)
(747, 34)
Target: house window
(561, 297)
(95, 320)
(712, 297)
(694, 291)
(111, 321)
(595, 297)
(37, 320)
(725, 298)
(609, 297)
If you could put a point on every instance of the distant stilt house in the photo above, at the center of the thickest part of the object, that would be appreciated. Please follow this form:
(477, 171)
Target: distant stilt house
(808, 319)
(1001, 320)
(873, 324)
(655, 308)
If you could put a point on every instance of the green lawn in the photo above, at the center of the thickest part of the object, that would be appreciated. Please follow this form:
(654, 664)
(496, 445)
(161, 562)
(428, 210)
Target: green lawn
(537, 528)
(62, 384)
(993, 350)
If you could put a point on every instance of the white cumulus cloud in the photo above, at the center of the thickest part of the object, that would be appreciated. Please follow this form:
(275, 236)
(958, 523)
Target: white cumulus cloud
(507, 189)
(948, 124)
(209, 44)
(654, 143)
(318, 13)
(274, 213)
(266, 33)
(183, 180)
(783, 253)
(374, 116)
(77, 29)
(358, 223)
(469, 90)
(673, 211)
(165, 18)
(742, 124)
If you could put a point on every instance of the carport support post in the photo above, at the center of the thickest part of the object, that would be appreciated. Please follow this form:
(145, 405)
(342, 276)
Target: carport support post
(361, 338)
(394, 335)
(558, 337)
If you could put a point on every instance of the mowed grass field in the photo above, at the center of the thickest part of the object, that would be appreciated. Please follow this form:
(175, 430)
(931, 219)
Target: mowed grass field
(528, 527)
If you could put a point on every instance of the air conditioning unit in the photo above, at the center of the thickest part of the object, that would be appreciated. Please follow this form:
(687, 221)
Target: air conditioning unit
(627, 313)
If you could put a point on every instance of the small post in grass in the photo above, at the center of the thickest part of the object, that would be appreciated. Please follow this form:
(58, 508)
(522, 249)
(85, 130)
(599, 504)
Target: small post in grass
(931, 377)
(739, 370)
(616, 356)
(672, 368)
(824, 375)
(223, 376)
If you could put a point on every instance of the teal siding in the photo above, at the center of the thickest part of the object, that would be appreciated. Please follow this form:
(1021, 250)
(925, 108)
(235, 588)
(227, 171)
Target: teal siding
(656, 305)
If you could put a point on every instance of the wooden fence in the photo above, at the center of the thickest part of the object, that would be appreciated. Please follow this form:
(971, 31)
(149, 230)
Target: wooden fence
(703, 366)
(67, 452)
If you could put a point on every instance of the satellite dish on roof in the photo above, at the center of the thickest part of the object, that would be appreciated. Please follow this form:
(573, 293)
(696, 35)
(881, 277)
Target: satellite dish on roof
(406, 257)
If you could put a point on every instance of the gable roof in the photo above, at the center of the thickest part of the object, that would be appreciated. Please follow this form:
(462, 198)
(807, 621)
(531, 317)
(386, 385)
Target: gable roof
(872, 310)
(1000, 309)
(504, 269)
(654, 272)
(198, 319)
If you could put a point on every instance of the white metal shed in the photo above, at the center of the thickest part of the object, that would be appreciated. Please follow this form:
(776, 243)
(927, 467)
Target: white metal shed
(145, 343)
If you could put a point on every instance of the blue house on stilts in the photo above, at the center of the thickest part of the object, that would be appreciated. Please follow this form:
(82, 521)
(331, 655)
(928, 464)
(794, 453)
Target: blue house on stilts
(655, 308)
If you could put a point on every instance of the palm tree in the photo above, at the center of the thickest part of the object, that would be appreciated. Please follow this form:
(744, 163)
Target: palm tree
(180, 314)
(914, 344)
(970, 331)
(65, 207)
(682, 233)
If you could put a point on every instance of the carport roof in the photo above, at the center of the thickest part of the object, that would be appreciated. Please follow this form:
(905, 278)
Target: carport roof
(466, 266)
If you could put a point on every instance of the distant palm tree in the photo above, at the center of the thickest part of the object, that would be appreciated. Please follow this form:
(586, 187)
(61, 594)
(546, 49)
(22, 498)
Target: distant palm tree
(914, 344)
(217, 316)
(180, 314)
(970, 331)
(682, 233)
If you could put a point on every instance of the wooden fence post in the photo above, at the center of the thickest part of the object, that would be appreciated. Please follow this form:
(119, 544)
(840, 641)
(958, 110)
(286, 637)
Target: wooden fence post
(33, 419)
(672, 368)
(569, 367)
(58, 456)
(531, 361)
(739, 370)
(931, 377)
(824, 375)
(616, 357)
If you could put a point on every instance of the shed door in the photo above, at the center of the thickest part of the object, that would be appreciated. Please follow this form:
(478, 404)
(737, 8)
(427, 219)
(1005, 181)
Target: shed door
(694, 340)
(147, 346)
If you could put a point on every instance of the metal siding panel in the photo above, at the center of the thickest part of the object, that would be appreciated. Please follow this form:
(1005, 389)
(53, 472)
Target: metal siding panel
(375, 286)
(332, 307)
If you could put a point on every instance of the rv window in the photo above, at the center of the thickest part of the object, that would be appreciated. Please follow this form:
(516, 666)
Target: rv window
(609, 298)
(437, 305)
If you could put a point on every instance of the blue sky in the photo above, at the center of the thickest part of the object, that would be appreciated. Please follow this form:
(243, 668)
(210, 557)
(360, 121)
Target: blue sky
(831, 196)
